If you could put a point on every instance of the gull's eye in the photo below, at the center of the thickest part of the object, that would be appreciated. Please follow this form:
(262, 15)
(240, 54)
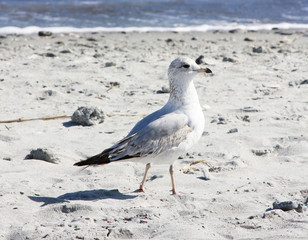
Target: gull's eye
(185, 66)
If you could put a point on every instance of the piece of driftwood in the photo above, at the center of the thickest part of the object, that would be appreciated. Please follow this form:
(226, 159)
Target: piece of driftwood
(34, 119)
(67, 116)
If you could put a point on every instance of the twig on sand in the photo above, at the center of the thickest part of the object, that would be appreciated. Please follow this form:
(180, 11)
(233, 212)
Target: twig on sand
(67, 116)
(33, 119)
(111, 87)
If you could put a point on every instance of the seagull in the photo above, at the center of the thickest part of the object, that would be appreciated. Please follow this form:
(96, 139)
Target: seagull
(162, 136)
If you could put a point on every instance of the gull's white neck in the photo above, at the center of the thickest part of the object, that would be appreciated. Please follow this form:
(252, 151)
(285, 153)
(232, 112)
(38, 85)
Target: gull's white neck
(182, 92)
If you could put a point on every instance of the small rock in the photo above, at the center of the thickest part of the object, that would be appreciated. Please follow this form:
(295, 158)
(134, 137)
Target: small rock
(248, 39)
(206, 174)
(114, 84)
(249, 109)
(92, 39)
(65, 51)
(290, 205)
(234, 31)
(97, 55)
(169, 40)
(194, 39)
(304, 82)
(42, 154)
(245, 118)
(88, 116)
(164, 89)
(49, 93)
(49, 55)
(285, 32)
(260, 152)
(233, 130)
(221, 120)
(227, 59)
(205, 133)
(121, 233)
(44, 34)
(199, 60)
(110, 64)
(7, 159)
(257, 49)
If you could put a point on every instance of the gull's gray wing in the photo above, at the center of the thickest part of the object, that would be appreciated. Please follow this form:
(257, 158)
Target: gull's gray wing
(158, 136)
(148, 119)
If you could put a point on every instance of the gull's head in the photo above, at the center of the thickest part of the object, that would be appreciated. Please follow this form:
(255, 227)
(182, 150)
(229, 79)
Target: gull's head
(184, 68)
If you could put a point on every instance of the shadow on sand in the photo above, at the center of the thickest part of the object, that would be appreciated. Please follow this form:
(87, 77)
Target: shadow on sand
(70, 124)
(89, 195)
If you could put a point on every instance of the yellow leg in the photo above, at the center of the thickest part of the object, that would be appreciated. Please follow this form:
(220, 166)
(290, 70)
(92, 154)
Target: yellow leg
(172, 180)
(147, 167)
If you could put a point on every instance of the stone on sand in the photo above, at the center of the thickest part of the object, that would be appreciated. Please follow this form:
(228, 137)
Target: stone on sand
(88, 116)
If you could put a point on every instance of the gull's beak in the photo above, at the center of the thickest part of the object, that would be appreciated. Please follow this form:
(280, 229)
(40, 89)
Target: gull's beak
(205, 70)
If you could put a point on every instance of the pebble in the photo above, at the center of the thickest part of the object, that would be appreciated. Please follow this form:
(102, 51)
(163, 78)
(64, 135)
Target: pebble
(233, 130)
(290, 205)
(248, 39)
(65, 51)
(221, 120)
(249, 109)
(228, 59)
(205, 133)
(199, 60)
(257, 49)
(88, 116)
(110, 64)
(114, 84)
(285, 32)
(206, 174)
(42, 154)
(304, 82)
(49, 93)
(260, 152)
(97, 55)
(234, 31)
(246, 118)
(44, 34)
(164, 89)
(49, 55)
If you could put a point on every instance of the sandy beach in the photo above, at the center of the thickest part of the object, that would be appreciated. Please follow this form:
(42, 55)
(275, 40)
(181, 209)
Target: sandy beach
(255, 140)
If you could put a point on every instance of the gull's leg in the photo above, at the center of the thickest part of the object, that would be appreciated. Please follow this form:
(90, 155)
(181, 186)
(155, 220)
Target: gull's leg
(147, 167)
(172, 180)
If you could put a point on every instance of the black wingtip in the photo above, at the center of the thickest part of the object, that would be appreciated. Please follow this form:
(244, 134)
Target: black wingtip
(207, 70)
(99, 159)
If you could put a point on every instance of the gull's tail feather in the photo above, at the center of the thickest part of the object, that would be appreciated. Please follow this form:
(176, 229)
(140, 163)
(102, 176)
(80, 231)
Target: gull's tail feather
(99, 159)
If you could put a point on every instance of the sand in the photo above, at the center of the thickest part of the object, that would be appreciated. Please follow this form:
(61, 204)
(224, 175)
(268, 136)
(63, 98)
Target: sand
(256, 136)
